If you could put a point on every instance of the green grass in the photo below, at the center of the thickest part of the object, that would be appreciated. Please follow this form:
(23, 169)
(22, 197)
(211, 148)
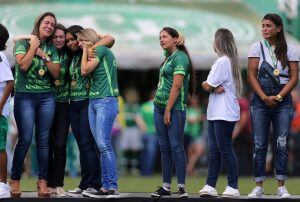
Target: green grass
(149, 184)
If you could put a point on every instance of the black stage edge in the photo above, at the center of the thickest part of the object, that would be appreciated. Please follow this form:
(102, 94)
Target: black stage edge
(144, 197)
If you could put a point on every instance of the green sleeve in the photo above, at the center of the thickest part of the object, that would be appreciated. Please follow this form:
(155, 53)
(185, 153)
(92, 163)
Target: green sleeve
(100, 52)
(181, 64)
(21, 47)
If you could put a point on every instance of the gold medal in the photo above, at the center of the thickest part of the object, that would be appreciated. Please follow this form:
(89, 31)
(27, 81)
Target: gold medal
(276, 72)
(57, 82)
(73, 84)
(41, 72)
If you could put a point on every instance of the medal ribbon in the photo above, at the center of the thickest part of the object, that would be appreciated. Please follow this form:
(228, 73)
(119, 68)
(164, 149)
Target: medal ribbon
(272, 54)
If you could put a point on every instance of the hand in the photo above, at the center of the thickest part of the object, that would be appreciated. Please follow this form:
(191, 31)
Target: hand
(180, 40)
(91, 53)
(219, 89)
(87, 45)
(34, 42)
(167, 117)
(271, 101)
(39, 52)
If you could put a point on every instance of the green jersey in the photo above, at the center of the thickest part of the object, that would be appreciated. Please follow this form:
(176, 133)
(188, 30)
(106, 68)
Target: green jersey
(61, 85)
(80, 85)
(131, 111)
(193, 129)
(37, 78)
(104, 79)
(147, 113)
(177, 63)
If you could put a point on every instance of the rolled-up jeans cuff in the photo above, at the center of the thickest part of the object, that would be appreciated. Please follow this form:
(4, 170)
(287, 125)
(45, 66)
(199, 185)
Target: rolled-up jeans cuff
(280, 177)
(260, 179)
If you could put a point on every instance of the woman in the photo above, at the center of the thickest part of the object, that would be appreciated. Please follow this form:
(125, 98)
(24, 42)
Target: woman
(224, 83)
(103, 106)
(79, 91)
(272, 75)
(37, 63)
(175, 82)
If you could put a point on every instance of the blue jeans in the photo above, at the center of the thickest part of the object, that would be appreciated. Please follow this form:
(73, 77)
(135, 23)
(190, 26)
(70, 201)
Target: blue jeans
(88, 154)
(171, 144)
(149, 152)
(102, 113)
(221, 152)
(32, 110)
(261, 118)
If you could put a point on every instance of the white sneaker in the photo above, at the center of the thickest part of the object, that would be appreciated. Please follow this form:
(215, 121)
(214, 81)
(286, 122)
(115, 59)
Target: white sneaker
(283, 193)
(74, 192)
(4, 190)
(231, 192)
(208, 191)
(59, 191)
(257, 192)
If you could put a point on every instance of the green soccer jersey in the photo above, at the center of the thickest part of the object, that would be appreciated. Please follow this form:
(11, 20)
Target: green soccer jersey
(104, 79)
(61, 85)
(147, 113)
(193, 129)
(37, 78)
(131, 111)
(80, 85)
(177, 63)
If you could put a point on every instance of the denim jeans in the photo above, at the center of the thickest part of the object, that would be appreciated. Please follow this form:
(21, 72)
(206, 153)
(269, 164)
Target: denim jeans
(32, 110)
(58, 144)
(261, 118)
(149, 153)
(102, 113)
(171, 144)
(221, 152)
(88, 153)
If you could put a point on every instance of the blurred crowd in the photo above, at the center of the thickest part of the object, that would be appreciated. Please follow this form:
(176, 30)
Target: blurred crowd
(136, 145)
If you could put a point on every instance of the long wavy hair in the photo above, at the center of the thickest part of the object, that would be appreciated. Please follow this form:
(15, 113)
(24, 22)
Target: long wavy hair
(175, 34)
(224, 44)
(280, 44)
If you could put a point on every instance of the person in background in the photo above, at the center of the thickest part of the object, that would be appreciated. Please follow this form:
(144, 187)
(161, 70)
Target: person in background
(176, 81)
(196, 146)
(272, 75)
(224, 83)
(145, 122)
(6, 87)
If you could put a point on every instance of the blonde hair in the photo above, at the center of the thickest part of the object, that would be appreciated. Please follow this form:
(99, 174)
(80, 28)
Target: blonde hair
(224, 44)
(88, 35)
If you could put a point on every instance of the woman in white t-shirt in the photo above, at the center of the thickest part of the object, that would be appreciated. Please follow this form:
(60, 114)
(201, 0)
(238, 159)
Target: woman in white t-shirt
(272, 74)
(224, 83)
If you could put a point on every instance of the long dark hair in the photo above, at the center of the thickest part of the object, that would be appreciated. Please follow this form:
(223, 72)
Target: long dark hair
(4, 35)
(73, 30)
(280, 44)
(38, 21)
(175, 34)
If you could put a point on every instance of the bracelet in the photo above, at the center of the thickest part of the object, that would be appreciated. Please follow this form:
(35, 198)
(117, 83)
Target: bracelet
(263, 97)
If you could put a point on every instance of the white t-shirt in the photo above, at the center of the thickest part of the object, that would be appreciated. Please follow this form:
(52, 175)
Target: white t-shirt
(222, 106)
(255, 52)
(5, 75)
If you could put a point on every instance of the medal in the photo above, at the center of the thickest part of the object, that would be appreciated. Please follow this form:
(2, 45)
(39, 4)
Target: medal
(87, 85)
(276, 72)
(73, 84)
(41, 72)
(57, 82)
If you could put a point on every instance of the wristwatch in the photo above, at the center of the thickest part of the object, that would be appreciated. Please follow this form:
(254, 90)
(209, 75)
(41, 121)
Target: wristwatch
(279, 98)
(46, 58)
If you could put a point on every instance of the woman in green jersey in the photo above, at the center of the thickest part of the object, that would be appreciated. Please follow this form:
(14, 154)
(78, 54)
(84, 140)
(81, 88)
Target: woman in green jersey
(175, 82)
(37, 62)
(103, 106)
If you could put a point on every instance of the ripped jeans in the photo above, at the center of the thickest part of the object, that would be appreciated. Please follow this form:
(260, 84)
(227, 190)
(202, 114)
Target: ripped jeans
(261, 118)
